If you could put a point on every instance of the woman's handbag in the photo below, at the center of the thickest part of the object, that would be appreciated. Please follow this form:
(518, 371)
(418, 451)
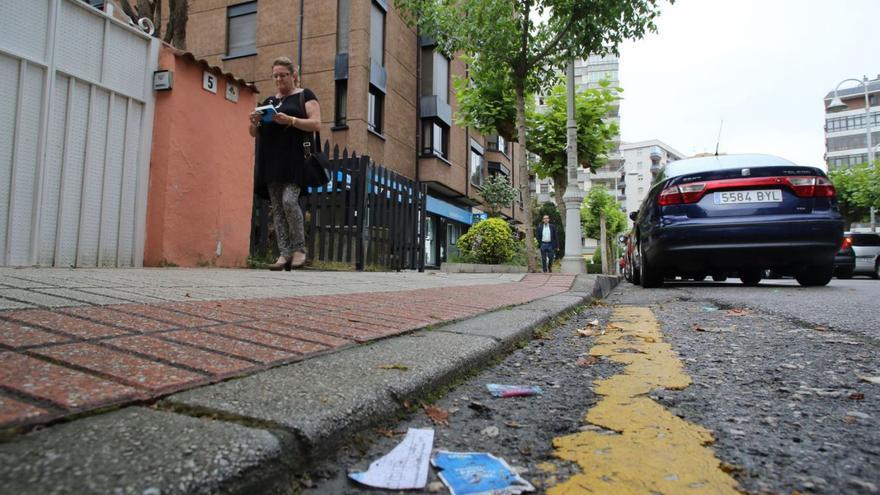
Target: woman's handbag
(316, 163)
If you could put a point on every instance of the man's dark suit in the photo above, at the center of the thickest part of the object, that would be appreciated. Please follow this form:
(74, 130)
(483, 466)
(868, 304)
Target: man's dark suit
(548, 249)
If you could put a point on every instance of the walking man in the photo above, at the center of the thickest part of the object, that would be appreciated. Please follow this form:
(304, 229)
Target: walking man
(546, 233)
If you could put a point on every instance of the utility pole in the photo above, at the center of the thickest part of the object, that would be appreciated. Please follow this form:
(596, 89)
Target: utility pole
(573, 261)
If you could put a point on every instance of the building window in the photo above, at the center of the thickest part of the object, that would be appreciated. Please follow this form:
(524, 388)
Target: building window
(854, 141)
(435, 138)
(374, 110)
(341, 110)
(377, 34)
(441, 76)
(545, 188)
(502, 145)
(342, 26)
(476, 168)
(241, 29)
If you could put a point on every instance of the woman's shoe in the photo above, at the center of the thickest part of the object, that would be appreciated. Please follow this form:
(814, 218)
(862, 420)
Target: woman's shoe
(299, 259)
(281, 265)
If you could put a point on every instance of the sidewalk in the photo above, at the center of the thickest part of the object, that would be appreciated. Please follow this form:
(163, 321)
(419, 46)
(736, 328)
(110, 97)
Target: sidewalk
(313, 348)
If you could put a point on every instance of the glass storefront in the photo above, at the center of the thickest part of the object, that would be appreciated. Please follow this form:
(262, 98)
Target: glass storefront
(444, 224)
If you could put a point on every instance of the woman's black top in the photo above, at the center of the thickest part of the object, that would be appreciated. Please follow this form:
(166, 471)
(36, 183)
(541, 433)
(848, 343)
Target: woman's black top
(279, 152)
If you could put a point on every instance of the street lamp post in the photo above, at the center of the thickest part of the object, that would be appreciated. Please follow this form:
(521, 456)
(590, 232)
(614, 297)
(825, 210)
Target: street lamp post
(837, 104)
(573, 261)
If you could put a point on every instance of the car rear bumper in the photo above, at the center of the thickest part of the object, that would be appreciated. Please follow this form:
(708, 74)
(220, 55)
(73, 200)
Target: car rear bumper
(705, 245)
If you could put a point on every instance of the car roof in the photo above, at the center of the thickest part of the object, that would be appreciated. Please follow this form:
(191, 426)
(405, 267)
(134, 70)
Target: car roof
(723, 162)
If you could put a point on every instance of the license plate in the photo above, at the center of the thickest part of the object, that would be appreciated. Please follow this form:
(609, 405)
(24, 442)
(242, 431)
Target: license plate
(741, 197)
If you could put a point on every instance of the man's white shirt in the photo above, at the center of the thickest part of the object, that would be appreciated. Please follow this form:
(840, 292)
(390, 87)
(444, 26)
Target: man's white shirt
(545, 236)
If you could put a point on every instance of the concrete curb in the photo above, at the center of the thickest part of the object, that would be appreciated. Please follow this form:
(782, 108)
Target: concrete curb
(259, 432)
(480, 268)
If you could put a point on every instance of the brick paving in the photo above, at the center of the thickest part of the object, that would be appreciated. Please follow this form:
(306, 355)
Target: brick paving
(57, 362)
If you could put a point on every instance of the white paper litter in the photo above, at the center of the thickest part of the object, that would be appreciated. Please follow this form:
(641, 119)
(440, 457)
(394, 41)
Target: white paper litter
(405, 467)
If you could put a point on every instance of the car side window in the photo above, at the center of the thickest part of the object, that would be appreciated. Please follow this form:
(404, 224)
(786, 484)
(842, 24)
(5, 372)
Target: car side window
(865, 240)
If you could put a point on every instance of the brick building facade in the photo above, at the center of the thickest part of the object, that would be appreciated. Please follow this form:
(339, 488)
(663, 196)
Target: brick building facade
(384, 92)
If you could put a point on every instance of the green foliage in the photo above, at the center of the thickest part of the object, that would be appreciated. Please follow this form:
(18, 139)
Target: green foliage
(600, 201)
(858, 189)
(594, 268)
(548, 133)
(489, 107)
(520, 257)
(498, 194)
(531, 41)
(490, 241)
(552, 211)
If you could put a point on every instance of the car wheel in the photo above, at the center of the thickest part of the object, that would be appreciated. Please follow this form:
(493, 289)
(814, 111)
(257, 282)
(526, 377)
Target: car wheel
(815, 275)
(876, 273)
(751, 278)
(649, 276)
(636, 271)
(719, 278)
(844, 273)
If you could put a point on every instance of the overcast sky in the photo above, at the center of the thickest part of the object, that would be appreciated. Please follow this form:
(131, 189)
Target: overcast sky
(763, 66)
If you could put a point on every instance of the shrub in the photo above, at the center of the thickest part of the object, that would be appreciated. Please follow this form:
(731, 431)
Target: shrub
(490, 241)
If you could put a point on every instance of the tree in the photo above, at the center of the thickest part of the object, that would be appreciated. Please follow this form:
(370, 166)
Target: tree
(858, 189)
(152, 9)
(548, 133)
(600, 205)
(520, 45)
(498, 194)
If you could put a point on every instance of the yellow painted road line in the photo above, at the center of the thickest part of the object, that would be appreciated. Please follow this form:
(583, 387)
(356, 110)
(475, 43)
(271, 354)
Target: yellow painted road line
(649, 450)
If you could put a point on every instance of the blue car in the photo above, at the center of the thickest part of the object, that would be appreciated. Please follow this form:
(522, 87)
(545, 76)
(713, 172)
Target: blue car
(737, 215)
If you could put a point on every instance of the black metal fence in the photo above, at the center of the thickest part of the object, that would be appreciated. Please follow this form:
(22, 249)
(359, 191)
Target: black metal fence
(367, 216)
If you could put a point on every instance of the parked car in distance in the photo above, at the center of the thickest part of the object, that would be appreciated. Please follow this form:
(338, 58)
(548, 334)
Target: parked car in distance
(737, 214)
(866, 246)
(845, 259)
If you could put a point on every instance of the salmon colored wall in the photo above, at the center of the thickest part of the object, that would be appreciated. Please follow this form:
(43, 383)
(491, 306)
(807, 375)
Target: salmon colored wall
(201, 171)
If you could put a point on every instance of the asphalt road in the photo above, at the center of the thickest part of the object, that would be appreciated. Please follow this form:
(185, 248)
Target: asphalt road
(779, 387)
(851, 306)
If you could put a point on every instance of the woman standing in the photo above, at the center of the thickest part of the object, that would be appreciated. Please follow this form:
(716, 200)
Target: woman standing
(280, 161)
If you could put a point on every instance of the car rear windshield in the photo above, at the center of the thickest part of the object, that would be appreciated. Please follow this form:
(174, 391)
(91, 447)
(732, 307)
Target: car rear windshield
(865, 239)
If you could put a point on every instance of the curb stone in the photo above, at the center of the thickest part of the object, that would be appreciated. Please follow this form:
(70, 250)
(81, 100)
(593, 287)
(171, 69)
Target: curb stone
(254, 434)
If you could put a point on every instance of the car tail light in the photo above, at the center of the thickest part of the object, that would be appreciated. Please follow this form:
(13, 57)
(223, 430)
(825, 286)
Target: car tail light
(811, 187)
(847, 242)
(807, 186)
(686, 193)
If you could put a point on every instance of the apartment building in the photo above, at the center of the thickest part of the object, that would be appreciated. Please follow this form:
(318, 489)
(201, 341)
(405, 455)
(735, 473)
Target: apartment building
(384, 92)
(641, 163)
(845, 132)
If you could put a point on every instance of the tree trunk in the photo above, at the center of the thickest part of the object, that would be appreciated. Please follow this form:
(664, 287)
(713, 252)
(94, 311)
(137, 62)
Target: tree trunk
(176, 29)
(524, 176)
(560, 183)
(603, 245)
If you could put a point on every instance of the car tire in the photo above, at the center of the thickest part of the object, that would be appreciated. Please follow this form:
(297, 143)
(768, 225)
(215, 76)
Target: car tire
(636, 272)
(719, 278)
(751, 278)
(844, 273)
(815, 275)
(876, 273)
(649, 276)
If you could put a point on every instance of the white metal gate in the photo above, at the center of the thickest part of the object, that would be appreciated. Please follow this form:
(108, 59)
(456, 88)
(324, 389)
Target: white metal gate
(76, 120)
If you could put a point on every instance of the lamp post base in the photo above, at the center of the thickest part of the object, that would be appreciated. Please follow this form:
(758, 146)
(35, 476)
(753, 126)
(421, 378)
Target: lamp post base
(573, 264)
